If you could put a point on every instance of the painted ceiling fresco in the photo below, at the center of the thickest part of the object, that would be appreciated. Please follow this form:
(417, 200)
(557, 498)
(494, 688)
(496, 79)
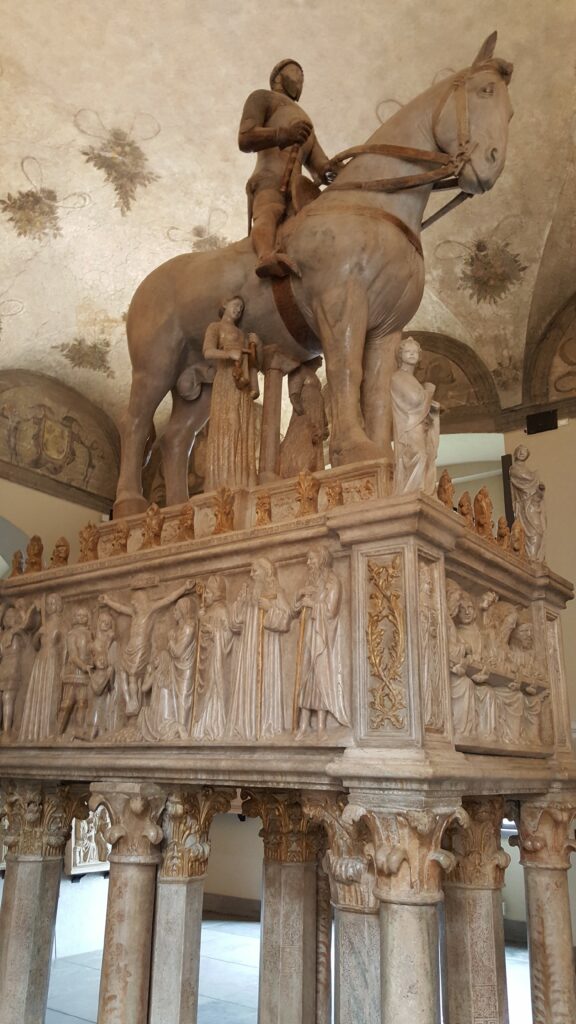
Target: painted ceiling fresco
(119, 125)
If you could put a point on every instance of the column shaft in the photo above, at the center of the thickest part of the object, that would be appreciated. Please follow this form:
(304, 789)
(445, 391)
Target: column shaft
(409, 963)
(288, 947)
(176, 959)
(357, 967)
(125, 979)
(475, 956)
(27, 922)
(270, 433)
(550, 946)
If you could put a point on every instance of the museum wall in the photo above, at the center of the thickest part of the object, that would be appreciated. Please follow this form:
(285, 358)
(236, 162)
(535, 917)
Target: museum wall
(35, 512)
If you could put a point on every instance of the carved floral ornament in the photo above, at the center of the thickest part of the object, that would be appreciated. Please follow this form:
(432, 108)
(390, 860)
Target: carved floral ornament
(386, 644)
(480, 859)
(134, 812)
(186, 825)
(350, 872)
(37, 819)
(546, 832)
(290, 837)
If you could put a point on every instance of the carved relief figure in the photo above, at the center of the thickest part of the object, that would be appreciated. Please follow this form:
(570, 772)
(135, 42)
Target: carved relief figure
(186, 524)
(223, 511)
(43, 693)
(263, 509)
(446, 489)
(319, 689)
(214, 645)
(119, 539)
(518, 539)
(528, 501)
(334, 494)
(307, 490)
(34, 551)
(416, 423)
(135, 654)
(483, 511)
(259, 615)
(429, 625)
(152, 528)
(303, 445)
(503, 534)
(169, 679)
(101, 694)
(76, 672)
(89, 536)
(231, 447)
(15, 623)
(61, 553)
(466, 511)
(17, 565)
(281, 133)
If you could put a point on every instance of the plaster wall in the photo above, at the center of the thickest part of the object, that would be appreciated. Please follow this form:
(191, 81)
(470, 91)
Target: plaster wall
(36, 512)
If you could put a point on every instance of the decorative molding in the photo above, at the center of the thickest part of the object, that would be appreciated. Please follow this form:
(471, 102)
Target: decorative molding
(545, 832)
(134, 810)
(480, 859)
(349, 870)
(386, 654)
(290, 837)
(186, 825)
(38, 818)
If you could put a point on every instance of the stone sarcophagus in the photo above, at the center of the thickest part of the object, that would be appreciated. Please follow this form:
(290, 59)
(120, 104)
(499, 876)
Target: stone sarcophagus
(376, 623)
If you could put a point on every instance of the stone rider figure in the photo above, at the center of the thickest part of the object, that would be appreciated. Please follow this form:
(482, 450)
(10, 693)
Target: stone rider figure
(275, 127)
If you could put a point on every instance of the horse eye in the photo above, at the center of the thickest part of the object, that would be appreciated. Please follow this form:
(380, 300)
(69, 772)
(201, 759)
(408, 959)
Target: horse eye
(487, 90)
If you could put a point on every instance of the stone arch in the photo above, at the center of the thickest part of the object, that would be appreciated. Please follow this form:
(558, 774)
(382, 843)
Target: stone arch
(550, 363)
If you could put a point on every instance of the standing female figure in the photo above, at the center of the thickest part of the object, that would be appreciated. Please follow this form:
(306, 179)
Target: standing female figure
(43, 695)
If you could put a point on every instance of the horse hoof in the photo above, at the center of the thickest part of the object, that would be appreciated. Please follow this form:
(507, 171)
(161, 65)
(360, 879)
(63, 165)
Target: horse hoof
(129, 507)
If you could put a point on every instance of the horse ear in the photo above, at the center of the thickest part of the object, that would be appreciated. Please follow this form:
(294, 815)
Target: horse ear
(486, 51)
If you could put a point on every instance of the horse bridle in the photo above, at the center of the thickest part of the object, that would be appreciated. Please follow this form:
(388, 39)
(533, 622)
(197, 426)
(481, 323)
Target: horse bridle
(444, 176)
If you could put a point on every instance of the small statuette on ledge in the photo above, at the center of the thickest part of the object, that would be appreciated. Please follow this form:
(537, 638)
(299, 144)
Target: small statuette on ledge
(223, 511)
(334, 494)
(60, 554)
(34, 551)
(263, 509)
(518, 539)
(528, 502)
(307, 489)
(17, 565)
(303, 445)
(416, 423)
(119, 539)
(89, 536)
(185, 524)
(483, 512)
(152, 528)
(466, 511)
(445, 491)
(503, 534)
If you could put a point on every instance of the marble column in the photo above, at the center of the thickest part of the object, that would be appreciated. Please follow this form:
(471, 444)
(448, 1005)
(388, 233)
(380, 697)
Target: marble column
(475, 954)
(274, 365)
(356, 924)
(287, 993)
(134, 834)
(323, 945)
(179, 895)
(38, 819)
(546, 840)
(406, 831)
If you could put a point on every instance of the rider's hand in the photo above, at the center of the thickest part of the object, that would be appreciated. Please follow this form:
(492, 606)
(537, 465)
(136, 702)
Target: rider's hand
(293, 134)
(328, 173)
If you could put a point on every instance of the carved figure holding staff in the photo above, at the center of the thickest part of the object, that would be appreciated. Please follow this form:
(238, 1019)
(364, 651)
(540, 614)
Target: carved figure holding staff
(214, 645)
(43, 694)
(259, 615)
(319, 689)
(13, 642)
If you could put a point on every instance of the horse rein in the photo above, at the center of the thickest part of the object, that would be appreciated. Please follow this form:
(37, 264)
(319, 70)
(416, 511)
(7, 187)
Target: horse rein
(444, 176)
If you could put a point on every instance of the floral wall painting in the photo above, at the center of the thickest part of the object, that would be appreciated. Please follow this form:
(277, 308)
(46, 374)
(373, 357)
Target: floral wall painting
(33, 211)
(563, 373)
(118, 155)
(205, 236)
(488, 268)
(88, 355)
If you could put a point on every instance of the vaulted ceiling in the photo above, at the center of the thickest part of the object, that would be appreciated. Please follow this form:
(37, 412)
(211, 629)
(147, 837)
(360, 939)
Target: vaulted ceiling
(119, 123)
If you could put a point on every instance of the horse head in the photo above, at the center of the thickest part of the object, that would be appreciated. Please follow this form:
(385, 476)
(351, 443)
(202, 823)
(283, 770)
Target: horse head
(472, 117)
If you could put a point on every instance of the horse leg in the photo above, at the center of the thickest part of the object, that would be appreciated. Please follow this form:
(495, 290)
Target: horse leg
(341, 315)
(136, 426)
(379, 365)
(187, 418)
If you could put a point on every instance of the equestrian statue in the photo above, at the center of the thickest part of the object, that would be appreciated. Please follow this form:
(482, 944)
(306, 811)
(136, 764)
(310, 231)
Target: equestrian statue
(330, 271)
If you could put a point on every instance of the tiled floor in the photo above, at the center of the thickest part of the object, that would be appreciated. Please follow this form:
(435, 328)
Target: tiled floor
(228, 980)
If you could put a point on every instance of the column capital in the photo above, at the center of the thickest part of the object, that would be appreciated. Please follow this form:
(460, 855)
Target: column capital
(186, 825)
(38, 817)
(480, 859)
(134, 809)
(290, 837)
(405, 847)
(350, 872)
(545, 831)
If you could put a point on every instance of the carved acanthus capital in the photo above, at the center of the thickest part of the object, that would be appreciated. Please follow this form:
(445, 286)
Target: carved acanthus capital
(38, 817)
(290, 837)
(134, 810)
(480, 859)
(545, 831)
(349, 870)
(186, 825)
(405, 848)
